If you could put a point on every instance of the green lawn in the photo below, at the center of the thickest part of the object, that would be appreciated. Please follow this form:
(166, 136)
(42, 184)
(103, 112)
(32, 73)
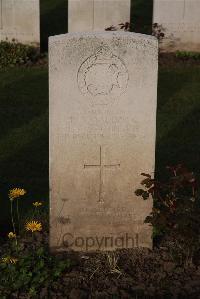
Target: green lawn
(23, 134)
(178, 117)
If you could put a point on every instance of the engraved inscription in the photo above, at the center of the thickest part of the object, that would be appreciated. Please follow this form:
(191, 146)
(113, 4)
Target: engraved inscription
(102, 74)
(118, 125)
(112, 215)
(101, 166)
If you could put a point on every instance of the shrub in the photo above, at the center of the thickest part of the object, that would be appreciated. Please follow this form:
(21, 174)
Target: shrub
(176, 209)
(13, 53)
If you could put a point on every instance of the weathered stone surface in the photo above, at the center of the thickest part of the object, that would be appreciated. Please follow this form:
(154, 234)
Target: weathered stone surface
(102, 136)
(180, 22)
(97, 15)
(20, 21)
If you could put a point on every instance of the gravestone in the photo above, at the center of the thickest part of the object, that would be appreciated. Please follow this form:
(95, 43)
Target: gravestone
(97, 15)
(20, 21)
(1, 25)
(102, 137)
(179, 20)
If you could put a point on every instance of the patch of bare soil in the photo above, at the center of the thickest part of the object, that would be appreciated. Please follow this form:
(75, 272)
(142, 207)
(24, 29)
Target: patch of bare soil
(132, 273)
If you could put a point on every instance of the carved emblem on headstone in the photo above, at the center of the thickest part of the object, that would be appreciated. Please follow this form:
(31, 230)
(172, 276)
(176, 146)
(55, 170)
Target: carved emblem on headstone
(102, 74)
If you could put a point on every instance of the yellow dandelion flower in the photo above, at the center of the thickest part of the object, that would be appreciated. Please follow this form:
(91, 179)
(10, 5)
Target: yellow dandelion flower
(37, 204)
(11, 235)
(13, 260)
(33, 226)
(16, 192)
(5, 260)
(9, 260)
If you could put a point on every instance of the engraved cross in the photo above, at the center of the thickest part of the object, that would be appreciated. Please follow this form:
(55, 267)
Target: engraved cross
(101, 167)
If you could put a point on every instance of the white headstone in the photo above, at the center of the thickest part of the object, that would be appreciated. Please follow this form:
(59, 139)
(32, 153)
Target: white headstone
(1, 25)
(180, 22)
(20, 21)
(97, 15)
(102, 137)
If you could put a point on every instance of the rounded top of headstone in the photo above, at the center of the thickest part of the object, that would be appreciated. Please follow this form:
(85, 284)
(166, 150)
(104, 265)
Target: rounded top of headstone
(106, 35)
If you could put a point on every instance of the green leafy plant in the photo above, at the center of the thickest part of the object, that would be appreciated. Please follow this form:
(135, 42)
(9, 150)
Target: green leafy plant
(188, 55)
(13, 53)
(176, 209)
(33, 269)
(26, 265)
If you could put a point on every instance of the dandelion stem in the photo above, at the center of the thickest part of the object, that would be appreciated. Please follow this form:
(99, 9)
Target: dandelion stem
(18, 216)
(13, 223)
(12, 218)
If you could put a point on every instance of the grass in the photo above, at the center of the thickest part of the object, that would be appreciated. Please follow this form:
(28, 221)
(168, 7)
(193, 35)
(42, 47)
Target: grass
(24, 134)
(178, 118)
